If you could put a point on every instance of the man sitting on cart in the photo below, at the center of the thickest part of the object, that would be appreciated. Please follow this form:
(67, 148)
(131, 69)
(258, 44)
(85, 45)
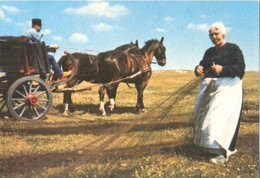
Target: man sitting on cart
(34, 35)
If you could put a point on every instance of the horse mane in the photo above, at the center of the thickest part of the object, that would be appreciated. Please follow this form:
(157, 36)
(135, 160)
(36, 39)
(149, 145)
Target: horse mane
(123, 47)
(129, 48)
(148, 44)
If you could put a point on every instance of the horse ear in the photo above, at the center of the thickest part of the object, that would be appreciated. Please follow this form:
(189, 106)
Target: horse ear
(162, 40)
(136, 43)
(131, 43)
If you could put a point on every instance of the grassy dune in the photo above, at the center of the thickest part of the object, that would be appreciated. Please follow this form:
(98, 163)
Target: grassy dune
(157, 143)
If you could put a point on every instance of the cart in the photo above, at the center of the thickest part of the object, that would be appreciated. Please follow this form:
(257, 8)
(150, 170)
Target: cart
(26, 78)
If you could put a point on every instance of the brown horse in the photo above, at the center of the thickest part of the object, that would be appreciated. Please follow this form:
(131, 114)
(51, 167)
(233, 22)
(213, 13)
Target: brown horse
(87, 70)
(115, 65)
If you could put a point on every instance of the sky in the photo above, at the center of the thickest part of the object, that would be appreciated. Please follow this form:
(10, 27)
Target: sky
(97, 26)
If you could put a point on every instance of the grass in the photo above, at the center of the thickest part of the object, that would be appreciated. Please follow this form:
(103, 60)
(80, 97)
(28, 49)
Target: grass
(157, 143)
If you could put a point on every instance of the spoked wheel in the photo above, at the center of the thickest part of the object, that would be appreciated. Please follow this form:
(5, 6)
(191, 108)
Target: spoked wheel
(3, 91)
(29, 98)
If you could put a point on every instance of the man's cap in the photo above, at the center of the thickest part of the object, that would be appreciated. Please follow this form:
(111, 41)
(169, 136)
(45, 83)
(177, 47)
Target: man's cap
(36, 22)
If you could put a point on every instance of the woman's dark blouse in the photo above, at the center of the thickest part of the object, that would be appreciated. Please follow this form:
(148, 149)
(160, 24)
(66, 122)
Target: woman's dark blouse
(229, 56)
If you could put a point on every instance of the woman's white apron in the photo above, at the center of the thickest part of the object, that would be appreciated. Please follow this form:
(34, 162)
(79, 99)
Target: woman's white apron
(217, 112)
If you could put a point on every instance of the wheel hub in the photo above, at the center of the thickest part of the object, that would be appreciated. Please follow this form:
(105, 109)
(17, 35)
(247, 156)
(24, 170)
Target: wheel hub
(31, 99)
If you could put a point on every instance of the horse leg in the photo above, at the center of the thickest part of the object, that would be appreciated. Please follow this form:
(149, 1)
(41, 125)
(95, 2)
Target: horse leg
(72, 107)
(140, 90)
(111, 92)
(66, 96)
(67, 101)
(101, 93)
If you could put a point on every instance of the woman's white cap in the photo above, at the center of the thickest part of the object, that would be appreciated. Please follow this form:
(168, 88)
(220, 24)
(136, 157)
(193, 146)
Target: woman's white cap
(219, 26)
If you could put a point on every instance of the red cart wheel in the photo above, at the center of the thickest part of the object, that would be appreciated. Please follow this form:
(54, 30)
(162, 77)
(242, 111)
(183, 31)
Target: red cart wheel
(29, 98)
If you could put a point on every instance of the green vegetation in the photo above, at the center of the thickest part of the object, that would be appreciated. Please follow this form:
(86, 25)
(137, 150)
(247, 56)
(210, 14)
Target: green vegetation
(157, 143)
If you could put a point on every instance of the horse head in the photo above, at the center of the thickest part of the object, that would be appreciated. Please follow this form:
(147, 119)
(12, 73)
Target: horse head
(157, 49)
(160, 53)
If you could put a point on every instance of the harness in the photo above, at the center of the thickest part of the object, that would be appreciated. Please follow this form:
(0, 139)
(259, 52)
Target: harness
(141, 69)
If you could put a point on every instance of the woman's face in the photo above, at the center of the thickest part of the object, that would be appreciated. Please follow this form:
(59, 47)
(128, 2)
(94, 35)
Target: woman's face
(217, 37)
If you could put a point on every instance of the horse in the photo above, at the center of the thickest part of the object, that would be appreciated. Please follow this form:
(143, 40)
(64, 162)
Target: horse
(114, 66)
(87, 71)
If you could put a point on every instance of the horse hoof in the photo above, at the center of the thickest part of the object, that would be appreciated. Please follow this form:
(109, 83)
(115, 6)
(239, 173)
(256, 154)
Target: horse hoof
(111, 108)
(65, 113)
(143, 110)
(137, 111)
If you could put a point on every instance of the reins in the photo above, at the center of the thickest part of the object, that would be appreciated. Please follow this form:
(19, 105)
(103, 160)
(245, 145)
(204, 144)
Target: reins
(74, 89)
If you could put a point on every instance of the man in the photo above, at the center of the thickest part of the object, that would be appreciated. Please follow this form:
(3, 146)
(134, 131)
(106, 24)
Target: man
(34, 35)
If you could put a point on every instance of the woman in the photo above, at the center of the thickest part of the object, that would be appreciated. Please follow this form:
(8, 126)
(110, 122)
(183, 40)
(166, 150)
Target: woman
(219, 101)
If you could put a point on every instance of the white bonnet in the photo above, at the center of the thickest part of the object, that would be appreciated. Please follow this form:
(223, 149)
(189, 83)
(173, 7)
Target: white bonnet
(220, 26)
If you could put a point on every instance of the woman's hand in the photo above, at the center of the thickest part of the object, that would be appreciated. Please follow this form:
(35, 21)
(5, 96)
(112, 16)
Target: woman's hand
(199, 70)
(216, 68)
